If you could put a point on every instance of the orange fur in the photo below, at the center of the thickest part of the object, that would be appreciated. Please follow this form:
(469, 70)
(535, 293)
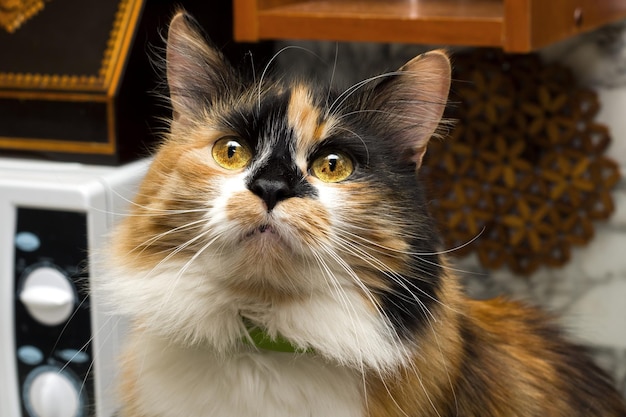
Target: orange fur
(304, 117)
(516, 368)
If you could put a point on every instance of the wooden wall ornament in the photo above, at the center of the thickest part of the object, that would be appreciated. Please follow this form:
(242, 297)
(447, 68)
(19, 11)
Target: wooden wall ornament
(523, 175)
(14, 13)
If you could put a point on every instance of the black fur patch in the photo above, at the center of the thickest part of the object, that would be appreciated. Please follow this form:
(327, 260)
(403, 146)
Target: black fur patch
(413, 294)
(266, 124)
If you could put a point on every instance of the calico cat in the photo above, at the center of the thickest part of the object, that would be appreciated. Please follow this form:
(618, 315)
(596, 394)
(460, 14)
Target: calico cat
(279, 260)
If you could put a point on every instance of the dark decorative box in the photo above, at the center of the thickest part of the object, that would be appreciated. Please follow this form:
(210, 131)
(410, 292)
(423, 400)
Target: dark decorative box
(73, 80)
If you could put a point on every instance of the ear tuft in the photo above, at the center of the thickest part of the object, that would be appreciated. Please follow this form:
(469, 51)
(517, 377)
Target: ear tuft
(197, 73)
(415, 99)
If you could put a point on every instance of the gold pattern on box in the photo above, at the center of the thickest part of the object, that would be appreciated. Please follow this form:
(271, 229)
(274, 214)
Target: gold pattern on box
(14, 13)
(523, 176)
(84, 82)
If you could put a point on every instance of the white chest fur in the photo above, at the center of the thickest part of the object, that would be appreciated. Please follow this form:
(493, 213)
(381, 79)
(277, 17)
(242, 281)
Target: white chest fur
(183, 382)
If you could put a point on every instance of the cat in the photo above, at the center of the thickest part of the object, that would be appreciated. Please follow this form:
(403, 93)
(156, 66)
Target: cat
(279, 260)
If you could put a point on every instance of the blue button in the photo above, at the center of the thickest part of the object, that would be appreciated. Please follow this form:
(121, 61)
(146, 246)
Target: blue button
(73, 355)
(30, 355)
(27, 241)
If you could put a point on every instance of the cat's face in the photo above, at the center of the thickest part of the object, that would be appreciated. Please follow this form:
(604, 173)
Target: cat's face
(267, 192)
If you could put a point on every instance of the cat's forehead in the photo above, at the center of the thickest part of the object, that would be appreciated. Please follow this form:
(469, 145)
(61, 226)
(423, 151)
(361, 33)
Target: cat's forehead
(279, 113)
(309, 121)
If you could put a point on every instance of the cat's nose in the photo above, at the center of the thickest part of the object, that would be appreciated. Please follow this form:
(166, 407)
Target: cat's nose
(271, 191)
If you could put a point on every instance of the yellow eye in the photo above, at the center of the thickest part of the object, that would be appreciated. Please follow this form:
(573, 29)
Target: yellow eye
(231, 154)
(332, 167)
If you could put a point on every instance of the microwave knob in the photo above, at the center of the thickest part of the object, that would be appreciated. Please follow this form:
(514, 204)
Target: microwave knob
(48, 295)
(52, 393)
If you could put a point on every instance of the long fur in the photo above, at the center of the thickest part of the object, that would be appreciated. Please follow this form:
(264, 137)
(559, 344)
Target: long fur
(352, 272)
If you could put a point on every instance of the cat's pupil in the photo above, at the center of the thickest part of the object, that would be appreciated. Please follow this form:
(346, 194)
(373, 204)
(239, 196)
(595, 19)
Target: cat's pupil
(332, 162)
(232, 149)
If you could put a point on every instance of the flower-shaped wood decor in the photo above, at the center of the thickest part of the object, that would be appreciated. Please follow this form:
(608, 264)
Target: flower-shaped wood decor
(522, 176)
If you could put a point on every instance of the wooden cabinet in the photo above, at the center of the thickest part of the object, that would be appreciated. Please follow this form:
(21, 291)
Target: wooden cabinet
(514, 25)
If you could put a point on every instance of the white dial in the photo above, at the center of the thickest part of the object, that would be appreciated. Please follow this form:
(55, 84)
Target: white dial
(48, 295)
(50, 393)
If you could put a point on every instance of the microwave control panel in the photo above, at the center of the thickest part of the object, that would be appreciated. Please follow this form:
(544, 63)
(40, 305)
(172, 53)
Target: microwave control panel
(53, 331)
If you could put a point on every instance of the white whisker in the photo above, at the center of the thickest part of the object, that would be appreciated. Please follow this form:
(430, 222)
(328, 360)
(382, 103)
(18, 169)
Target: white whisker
(332, 75)
(188, 263)
(367, 151)
(187, 227)
(341, 99)
(388, 272)
(268, 65)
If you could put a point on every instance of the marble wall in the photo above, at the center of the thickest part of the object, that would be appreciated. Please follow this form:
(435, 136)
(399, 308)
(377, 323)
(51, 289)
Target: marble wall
(589, 293)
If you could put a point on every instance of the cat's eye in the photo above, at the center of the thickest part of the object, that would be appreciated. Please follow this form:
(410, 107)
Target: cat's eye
(231, 154)
(332, 167)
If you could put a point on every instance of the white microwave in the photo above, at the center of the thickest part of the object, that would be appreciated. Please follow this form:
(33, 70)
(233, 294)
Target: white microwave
(58, 349)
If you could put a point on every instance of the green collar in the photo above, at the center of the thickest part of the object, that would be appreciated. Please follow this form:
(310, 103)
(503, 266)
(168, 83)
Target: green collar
(262, 340)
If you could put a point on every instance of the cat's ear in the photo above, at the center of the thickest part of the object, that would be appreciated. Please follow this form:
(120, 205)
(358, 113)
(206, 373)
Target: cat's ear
(415, 99)
(197, 73)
